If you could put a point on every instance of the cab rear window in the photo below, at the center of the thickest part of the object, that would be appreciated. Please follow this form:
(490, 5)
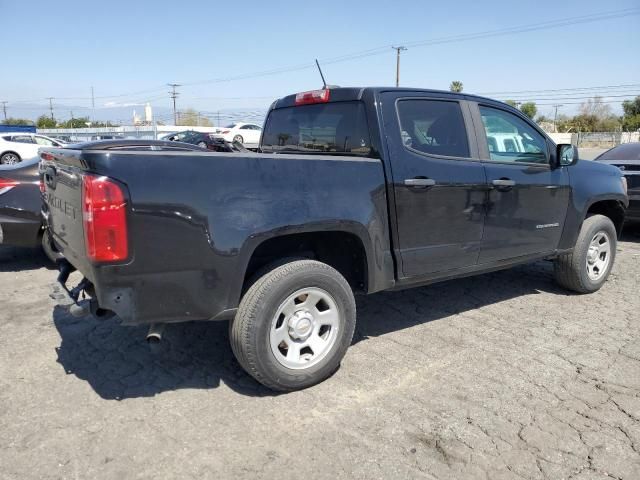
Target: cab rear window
(328, 128)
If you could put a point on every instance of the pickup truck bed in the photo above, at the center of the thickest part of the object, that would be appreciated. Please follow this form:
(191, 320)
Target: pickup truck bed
(190, 234)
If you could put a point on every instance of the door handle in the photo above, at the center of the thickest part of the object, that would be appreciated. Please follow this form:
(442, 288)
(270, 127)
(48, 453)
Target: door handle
(505, 183)
(419, 182)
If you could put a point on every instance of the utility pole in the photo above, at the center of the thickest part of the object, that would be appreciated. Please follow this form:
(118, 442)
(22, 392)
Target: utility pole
(173, 94)
(93, 106)
(51, 107)
(218, 117)
(4, 109)
(398, 50)
(555, 117)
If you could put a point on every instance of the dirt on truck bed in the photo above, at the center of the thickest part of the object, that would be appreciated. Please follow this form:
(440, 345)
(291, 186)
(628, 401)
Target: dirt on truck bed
(502, 375)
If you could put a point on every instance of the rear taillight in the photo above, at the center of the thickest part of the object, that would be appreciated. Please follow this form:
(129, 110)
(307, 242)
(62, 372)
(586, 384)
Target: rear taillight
(314, 96)
(7, 184)
(105, 220)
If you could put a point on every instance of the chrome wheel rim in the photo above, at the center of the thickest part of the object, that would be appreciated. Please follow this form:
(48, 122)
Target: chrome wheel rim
(9, 159)
(598, 255)
(305, 328)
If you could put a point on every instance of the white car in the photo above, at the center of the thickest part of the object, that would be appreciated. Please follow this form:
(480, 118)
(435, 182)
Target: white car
(246, 133)
(18, 146)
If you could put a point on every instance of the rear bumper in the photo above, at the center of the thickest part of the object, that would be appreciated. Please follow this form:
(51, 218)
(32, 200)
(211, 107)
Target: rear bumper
(20, 232)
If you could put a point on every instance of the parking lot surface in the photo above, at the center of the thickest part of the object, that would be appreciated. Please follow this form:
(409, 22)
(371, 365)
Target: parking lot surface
(498, 376)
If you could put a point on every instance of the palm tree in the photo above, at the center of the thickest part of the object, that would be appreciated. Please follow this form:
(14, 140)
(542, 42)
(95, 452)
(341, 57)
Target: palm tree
(456, 86)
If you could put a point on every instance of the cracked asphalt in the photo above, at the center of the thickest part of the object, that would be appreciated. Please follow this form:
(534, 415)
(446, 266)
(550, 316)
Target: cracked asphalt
(498, 376)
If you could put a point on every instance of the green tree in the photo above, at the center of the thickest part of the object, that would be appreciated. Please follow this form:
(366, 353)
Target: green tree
(631, 117)
(529, 109)
(456, 86)
(513, 103)
(191, 118)
(16, 121)
(44, 121)
(80, 122)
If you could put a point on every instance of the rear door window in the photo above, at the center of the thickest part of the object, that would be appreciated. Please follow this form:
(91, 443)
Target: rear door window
(434, 127)
(339, 127)
(22, 138)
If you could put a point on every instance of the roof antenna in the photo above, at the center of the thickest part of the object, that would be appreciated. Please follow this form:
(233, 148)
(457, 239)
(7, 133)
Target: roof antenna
(324, 83)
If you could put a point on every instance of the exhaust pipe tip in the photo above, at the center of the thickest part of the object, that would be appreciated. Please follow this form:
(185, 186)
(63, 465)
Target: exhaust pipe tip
(154, 335)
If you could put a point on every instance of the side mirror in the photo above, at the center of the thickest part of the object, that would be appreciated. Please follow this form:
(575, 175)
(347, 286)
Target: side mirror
(566, 154)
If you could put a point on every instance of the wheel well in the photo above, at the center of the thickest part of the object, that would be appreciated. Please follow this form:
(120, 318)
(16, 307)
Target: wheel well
(609, 208)
(10, 151)
(342, 250)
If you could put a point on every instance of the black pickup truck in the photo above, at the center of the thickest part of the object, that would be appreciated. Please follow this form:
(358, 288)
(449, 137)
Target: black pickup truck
(352, 190)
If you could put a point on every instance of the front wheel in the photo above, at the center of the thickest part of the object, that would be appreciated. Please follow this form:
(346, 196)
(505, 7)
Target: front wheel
(587, 267)
(238, 138)
(294, 325)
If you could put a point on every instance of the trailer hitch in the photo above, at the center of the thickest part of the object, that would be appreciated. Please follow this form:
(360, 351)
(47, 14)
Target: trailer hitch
(70, 297)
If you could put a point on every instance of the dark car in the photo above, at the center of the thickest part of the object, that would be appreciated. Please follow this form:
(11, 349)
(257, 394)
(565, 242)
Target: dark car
(353, 190)
(21, 216)
(20, 207)
(627, 158)
(208, 141)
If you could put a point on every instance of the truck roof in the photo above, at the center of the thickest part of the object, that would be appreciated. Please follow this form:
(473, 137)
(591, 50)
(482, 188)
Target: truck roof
(343, 94)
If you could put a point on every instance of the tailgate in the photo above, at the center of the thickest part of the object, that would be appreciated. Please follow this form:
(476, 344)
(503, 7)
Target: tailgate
(62, 178)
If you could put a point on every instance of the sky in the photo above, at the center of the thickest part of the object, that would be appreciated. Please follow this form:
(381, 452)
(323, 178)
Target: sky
(128, 51)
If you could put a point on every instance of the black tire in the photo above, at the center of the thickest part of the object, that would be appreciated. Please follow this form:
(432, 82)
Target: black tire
(250, 329)
(10, 158)
(571, 268)
(50, 252)
(238, 138)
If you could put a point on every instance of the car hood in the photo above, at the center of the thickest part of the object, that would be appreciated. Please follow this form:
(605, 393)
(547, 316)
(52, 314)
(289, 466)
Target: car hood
(622, 164)
(599, 167)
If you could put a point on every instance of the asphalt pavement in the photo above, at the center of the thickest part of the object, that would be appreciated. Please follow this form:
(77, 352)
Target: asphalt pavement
(498, 376)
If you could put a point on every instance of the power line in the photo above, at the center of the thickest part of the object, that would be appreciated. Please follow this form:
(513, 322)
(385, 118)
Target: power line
(601, 87)
(436, 41)
(530, 99)
(383, 49)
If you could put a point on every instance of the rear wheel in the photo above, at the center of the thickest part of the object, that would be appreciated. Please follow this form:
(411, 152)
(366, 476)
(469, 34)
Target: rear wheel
(587, 267)
(294, 325)
(10, 158)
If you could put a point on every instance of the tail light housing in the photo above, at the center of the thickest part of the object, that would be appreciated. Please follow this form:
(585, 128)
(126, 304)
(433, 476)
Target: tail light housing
(105, 219)
(7, 184)
(314, 96)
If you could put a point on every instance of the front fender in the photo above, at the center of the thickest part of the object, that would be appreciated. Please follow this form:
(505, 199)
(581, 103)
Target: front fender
(591, 183)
